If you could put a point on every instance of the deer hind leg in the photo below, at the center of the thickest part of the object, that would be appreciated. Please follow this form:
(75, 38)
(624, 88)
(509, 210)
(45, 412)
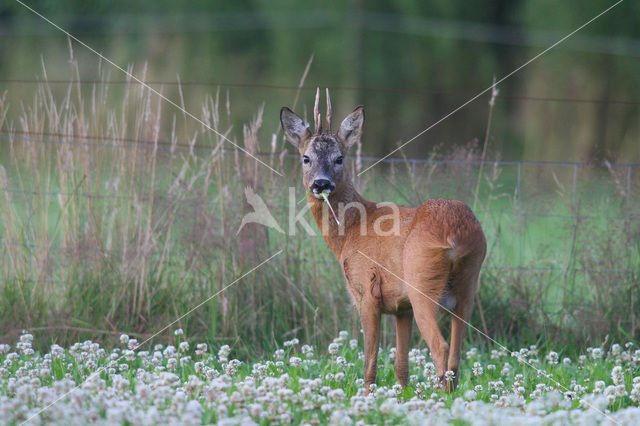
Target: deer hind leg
(427, 275)
(370, 319)
(403, 335)
(464, 284)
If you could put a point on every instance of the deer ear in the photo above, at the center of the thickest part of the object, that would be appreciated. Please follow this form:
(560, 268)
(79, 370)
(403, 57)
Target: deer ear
(351, 128)
(295, 128)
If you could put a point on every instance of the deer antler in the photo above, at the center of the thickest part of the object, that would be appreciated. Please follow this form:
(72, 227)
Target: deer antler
(329, 112)
(316, 113)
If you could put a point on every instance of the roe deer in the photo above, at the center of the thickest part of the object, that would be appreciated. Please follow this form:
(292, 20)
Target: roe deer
(433, 258)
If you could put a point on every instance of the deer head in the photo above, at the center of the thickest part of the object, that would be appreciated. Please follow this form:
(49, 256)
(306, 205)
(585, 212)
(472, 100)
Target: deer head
(322, 153)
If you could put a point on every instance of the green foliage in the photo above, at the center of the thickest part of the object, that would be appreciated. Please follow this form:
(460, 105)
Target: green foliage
(127, 231)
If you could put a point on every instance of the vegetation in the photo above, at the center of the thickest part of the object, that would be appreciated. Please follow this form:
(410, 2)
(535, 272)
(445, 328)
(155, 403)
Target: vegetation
(298, 383)
(120, 217)
(110, 224)
(409, 62)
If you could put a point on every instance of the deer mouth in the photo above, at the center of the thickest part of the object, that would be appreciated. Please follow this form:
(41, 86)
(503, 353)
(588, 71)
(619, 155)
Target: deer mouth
(318, 194)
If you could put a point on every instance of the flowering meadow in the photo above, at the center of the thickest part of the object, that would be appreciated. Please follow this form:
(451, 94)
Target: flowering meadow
(194, 383)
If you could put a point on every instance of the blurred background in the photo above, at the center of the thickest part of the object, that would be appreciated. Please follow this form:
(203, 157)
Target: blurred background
(119, 213)
(408, 62)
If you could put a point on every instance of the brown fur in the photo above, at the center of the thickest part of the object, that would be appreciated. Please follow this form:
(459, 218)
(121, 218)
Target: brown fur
(439, 251)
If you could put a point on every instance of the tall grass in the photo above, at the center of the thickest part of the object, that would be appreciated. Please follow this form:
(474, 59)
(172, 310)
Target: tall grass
(119, 216)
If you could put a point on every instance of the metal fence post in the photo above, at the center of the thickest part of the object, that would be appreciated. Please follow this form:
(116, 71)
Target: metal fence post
(520, 215)
(575, 178)
(628, 189)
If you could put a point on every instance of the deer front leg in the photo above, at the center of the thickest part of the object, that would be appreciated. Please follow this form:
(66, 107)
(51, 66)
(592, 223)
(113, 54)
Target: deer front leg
(403, 335)
(370, 319)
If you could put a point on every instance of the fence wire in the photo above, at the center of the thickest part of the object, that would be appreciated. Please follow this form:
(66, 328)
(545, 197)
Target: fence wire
(422, 91)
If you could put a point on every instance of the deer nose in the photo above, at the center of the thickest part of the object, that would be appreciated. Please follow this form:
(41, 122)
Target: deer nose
(321, 185)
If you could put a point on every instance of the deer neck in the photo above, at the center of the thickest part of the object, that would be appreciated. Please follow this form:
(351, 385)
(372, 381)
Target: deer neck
(337, 235)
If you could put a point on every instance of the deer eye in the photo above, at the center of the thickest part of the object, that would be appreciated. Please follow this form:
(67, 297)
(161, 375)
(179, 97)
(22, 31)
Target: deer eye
(339, 160)
(306, 160)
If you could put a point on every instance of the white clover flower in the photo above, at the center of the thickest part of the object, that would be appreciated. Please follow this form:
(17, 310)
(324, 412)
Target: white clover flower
(223, 353)
(552, 357)
(294, 361)
(496, 385)
(183, 347)
(449, 376)
(255, 410)
(170, 351)
(343, 335)
(307, 351)
(178, 332)
(596, 353)
(477, 369)
(616, 349)
(327, 408)
(429, 370)
(617, 375)
(172, 363)
(130, 355)
(201, 349)
(506, 369)
(472, 352)
(392, 353)
(635, 390)
(353, 344)
(232, 367)
(334, 348)
(389, 407)
(26, 338)
(132, 344)
(397, 389)
(336, 395)
(470, 395)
